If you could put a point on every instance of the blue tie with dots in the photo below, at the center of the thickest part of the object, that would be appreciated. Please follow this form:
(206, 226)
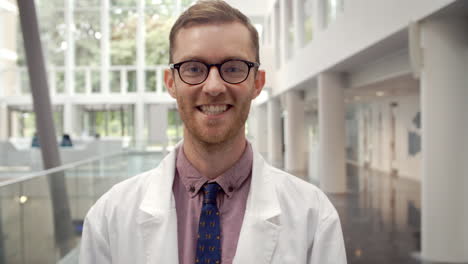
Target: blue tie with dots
(209, 228)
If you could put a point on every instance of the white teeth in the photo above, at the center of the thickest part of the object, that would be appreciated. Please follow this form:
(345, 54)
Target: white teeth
(213, 109)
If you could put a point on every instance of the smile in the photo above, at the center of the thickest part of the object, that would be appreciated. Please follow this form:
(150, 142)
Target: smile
(213, 109)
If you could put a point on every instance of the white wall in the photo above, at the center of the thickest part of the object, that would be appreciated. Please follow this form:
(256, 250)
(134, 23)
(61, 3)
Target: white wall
(379, 135)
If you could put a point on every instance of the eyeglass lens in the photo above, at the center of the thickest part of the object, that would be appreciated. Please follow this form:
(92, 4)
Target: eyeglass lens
(194, 72)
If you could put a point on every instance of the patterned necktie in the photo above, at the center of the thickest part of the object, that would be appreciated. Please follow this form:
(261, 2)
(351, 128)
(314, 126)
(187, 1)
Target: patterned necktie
(209, 228)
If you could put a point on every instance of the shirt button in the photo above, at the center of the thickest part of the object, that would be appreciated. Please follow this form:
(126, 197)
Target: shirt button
(230, 188)
(192, 188)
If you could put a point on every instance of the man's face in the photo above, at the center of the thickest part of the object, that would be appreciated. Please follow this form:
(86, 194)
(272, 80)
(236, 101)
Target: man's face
(214, 111)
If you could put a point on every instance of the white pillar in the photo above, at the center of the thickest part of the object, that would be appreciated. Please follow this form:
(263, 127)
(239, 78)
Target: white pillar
(294, 134)
(444, 95)
(68, 118)
(275, 140)
(284, 33)
(276, 34)
(299, 16)
(332, 166)
(3, 121)
(258, 127)
(70, 51)
(140, 51)
(313, 161)
(157, 124)
(140, 105)
(318, 16)
(105, 46)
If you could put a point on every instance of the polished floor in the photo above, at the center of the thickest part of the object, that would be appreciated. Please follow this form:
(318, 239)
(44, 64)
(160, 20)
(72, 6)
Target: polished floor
(380, 216)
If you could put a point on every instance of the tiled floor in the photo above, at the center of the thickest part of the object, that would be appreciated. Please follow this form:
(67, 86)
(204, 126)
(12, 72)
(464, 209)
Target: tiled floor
(380, 217)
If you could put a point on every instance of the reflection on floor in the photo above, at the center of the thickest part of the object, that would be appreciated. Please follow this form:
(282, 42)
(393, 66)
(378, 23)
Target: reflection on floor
(380, 217)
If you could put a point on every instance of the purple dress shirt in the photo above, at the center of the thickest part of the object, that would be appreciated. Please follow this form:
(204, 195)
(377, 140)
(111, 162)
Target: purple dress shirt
(235, 183)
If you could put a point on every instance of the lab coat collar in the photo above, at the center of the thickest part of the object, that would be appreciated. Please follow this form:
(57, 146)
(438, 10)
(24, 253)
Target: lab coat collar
(260, 228)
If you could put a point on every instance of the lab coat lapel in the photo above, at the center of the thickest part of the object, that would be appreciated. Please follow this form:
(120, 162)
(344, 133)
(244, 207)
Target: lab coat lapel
(261, 226)
(157, 219)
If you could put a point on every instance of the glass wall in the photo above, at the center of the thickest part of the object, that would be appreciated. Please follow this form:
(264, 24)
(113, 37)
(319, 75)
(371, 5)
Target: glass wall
(25, 122)
(116, 121)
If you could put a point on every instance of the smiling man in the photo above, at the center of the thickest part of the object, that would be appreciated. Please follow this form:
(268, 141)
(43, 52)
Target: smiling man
(213, 199)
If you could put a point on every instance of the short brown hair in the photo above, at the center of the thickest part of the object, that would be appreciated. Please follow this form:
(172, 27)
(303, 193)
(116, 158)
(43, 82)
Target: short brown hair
(211, 12)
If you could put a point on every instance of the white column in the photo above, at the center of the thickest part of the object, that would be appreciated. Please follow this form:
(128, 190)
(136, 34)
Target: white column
(140, 40)
(444, 106)
(318, 16)
(159, 80)
(283, 36)
(157, 124)
(299, 16)
(68, 118)
(313, 161)
(3, 121)
(70, 51)
(258, 127)
(105, 45)
(294, 134)
(332, 166)
(275, 140)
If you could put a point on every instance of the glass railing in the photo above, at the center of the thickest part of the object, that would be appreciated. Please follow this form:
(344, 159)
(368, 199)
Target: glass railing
(42, 214)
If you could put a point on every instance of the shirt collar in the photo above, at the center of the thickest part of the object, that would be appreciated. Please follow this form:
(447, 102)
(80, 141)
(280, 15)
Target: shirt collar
(229, 181)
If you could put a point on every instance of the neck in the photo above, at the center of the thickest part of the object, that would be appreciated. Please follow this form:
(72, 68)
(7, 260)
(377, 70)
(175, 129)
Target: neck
(211, 160)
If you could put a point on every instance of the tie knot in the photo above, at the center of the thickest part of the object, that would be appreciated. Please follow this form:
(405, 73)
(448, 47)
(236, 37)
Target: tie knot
(211, 191)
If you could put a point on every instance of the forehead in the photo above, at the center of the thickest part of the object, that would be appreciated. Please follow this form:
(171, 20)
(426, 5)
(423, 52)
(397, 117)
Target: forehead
(213, 43)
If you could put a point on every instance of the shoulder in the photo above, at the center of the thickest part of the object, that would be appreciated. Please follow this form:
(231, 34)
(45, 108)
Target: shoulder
(299, 193)
(126, 194)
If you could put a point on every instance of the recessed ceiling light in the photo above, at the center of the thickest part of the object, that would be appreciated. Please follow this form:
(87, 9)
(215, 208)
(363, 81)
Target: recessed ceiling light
(380, 93)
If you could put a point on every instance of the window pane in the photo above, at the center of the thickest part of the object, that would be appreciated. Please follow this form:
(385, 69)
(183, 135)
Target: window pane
(131, 81)
(115, 81)
(60, 81)
(95, 81)
(123, 36)
(80, 81)
(124, 3)
(88, 3)
(52, 30)
(150, 80)
(87, 38)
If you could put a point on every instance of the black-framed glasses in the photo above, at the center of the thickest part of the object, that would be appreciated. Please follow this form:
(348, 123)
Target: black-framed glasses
(231, 71)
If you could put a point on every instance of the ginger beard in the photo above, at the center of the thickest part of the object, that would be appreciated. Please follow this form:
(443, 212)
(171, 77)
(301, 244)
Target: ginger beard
(213, 131)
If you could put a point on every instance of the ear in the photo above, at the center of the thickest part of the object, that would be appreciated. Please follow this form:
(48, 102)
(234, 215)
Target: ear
(169, 82)
(259, 83)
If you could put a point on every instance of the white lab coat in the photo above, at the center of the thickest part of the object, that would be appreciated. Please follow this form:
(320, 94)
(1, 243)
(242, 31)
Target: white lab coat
(286, 221)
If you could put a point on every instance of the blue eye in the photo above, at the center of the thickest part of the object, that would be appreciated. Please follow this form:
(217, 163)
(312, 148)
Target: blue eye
(232, 69)
(194, 69)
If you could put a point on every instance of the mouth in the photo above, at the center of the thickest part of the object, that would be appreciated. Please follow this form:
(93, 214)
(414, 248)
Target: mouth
(214, 109)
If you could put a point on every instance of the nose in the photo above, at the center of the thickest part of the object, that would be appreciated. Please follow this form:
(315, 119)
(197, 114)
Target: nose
(214, 84)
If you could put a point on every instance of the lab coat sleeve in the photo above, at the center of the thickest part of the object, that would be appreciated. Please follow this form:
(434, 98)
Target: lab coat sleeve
(328, 245)
(94, 242)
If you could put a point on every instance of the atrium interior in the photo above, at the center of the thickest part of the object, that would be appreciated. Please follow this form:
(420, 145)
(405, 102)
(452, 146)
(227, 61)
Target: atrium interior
(365, 99)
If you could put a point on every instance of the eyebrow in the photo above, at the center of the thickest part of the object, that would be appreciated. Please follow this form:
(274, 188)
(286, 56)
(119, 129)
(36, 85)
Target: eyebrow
(195, 58)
